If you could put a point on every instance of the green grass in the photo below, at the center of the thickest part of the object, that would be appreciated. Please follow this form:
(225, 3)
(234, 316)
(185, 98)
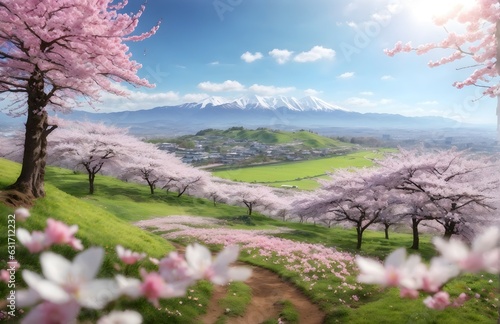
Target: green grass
(132, 201)
(104, 219)
(101, 224)
(289, 313)
(238, 297)
(301, 174)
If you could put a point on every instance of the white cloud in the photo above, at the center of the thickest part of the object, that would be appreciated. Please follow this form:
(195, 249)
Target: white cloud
(281, 55)
(249, 57)
(429, 103)
(387, 77)
(346, 75)
(312, 92)
(228, 85)
(314, 54)
(269, 90)
(357, 102)
(136, 100)
(214, 63)
(352, 24)
(194, 97)
(366, 93)
(383, 16)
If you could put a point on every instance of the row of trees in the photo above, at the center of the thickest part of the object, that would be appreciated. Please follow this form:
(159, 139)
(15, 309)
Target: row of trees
(453, 189)
(97, 148)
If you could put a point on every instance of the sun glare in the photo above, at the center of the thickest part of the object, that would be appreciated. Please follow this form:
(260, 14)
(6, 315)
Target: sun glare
(427, 9)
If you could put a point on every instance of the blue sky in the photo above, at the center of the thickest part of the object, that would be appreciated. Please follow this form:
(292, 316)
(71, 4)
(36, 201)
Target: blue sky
(332, 49)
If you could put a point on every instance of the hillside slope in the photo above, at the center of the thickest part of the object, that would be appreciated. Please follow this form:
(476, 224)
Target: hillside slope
(303, 138)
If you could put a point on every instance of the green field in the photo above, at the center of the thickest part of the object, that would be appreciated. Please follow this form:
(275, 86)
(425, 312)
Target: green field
(301, 174)
(105, 219)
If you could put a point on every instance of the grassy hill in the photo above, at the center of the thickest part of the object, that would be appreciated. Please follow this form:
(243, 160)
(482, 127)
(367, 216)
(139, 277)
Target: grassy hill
(105, 219)
(302, 138)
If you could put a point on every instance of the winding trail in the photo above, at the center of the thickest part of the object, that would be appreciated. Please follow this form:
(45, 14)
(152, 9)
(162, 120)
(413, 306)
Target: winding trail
(268, 290)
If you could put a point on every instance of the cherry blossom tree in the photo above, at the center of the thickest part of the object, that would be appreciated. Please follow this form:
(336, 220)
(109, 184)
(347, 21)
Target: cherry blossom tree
(454, 188)
(216, 191)
(58, 54)
(251, 196)
(89, 146)
(353, 196)
(478, 40)
(188, 178)
(145, 162)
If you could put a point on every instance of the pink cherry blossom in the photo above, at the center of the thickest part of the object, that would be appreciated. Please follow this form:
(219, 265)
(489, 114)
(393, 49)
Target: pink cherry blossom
(154, 287)
(66, 281)
(483, 255)
(397, 270)
(34, 242)
(128, 256)
(439, 301)
(476, 39)
(57, 232)
(4, 275)
(216, 270)
(50, 313)
(174, 268)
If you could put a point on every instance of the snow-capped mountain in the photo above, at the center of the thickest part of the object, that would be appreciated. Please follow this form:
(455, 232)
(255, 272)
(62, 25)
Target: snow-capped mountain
(269, 103)
(254, 111)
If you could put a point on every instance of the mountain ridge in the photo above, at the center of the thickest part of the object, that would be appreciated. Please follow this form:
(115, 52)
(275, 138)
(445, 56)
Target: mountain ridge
(307, 103)
(287, 113)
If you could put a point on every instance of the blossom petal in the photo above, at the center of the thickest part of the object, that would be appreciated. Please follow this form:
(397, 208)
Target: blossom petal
(27, 298)
(54, 267)
(198, 257)
(87, 263)
(125, 317)
(226, 256)
(452, 250)
(46, 289)
(98, 293)
(371, 271)
(129, 286)
(396, 258)
(487, 241)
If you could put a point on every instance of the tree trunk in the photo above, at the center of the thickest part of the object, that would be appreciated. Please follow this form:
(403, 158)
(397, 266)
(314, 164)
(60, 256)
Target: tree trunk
(449, 230)
(151, 185)
(416, 238)
(31, 180)
(359, 231)
(91, 182)
(386, 230)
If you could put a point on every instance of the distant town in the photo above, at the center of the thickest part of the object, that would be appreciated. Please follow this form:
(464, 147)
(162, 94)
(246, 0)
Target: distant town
(216, 148)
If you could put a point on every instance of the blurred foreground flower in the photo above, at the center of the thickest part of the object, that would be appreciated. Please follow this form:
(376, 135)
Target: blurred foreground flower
(216, 270)
(67, 281)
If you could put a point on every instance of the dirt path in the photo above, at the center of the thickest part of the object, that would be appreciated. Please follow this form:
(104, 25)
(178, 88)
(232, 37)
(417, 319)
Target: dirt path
(268, 289)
